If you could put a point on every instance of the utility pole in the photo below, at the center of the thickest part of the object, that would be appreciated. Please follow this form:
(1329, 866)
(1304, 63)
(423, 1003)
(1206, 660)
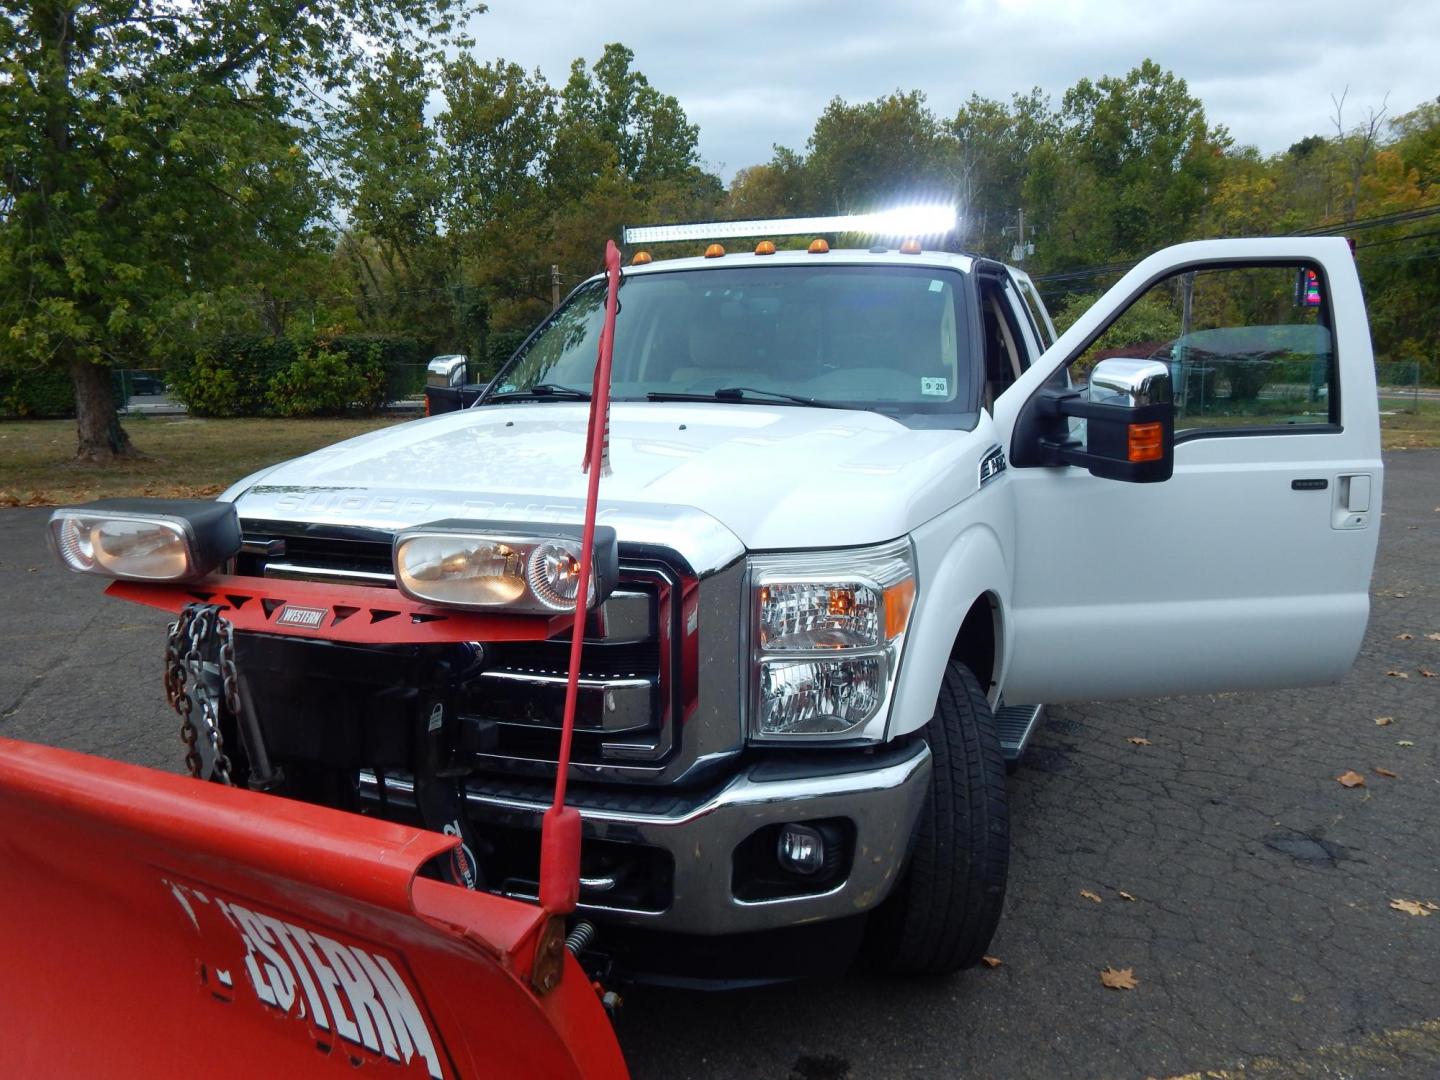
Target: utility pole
(1022, 247)
(554, 286)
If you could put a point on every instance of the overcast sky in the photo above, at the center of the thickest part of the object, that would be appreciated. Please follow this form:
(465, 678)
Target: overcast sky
(753, 73)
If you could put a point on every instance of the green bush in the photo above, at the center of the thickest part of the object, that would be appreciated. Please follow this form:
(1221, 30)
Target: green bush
(231, 376)
(255, 375)
(36, 393)
(327, 384)
(402, 359)
(208, 389)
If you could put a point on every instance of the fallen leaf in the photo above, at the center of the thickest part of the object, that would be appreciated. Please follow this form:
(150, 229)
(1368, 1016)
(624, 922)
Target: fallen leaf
(991, 961)
(1136, 740)
(1384, 772)
(1431, 905)
(1350, 778)
(1384, 721)
(1125, 895)
(1398, 595)
(1404, 742)
(1433, 637)
(1404, 637)
(1124, 979)
(1088, 895)
(1398, 674)
(1410, 907)
(1426, 674)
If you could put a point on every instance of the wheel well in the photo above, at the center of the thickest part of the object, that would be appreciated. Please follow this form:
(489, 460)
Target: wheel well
(975, 643)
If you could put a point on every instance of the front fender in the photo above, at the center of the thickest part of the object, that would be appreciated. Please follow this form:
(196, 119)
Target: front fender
(959, 559)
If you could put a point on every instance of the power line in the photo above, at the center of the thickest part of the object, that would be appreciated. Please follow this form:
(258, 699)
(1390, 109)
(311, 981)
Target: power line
(1398, 239)
(1401, 217)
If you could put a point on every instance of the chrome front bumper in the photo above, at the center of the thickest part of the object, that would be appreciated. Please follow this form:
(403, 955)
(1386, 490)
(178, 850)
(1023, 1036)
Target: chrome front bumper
(881, 802)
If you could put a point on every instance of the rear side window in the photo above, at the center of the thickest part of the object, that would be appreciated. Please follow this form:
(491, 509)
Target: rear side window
(1039, 318)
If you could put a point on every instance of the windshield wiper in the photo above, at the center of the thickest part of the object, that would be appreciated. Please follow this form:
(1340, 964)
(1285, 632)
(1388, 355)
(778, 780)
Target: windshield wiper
(542, 391)
(738, 393)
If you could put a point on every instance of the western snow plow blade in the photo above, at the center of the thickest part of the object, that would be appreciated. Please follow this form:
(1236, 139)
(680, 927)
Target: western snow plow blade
(154, 925)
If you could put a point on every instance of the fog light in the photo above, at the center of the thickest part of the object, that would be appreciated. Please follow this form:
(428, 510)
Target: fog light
(801, 849)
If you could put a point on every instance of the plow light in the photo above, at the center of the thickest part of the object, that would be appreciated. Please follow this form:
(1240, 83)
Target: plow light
(465, 564)
(146, 539)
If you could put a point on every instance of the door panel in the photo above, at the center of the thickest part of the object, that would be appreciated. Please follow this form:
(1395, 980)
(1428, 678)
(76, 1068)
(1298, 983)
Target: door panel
(1248, 568)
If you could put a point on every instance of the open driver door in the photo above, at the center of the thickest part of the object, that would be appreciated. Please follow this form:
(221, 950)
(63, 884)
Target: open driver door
(1233, 550)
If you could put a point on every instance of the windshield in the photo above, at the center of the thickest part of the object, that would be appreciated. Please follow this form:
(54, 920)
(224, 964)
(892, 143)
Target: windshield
(893, 339)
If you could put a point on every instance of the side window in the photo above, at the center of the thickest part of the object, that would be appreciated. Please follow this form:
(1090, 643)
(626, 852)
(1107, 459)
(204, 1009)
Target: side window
(1027, 339)
(1004, 347)
(1039, 317)
(1249, 347)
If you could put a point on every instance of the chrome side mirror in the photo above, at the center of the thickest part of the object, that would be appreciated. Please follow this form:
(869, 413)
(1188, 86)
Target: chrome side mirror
(447, 371)
(1130, 383)
(1129, 431)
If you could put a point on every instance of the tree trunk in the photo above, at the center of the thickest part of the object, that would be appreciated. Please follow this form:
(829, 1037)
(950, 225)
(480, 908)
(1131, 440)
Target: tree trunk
(99, 435)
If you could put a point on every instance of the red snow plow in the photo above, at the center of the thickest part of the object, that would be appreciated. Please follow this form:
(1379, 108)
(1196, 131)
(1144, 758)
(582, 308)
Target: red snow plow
(153, 926)
(157, 925)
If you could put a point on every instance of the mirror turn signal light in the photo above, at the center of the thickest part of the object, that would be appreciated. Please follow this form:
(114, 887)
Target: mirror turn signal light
(1147, 441)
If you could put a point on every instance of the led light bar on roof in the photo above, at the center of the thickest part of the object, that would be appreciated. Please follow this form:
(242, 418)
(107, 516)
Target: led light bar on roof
(906, 221)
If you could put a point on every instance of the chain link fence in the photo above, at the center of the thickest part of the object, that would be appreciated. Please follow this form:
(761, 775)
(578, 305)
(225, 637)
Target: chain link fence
(1399, 384)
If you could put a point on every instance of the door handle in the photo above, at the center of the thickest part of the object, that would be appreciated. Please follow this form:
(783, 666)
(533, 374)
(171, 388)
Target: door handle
(1351, 508)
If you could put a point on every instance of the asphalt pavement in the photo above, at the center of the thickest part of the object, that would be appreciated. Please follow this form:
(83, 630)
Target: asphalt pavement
(1259, 927)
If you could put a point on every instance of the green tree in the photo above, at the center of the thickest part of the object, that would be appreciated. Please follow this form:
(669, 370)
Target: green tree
(394, 174)
(879, 152)
(1130, 171)
(152, 151)
(996, 144)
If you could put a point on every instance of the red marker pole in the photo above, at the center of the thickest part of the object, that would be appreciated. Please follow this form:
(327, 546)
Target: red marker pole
(560, 828)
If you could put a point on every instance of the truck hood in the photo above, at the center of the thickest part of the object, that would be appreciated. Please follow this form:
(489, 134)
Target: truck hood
(774, 477)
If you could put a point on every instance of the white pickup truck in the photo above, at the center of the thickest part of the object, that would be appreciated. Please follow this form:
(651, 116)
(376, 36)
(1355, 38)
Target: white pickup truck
(869, 511)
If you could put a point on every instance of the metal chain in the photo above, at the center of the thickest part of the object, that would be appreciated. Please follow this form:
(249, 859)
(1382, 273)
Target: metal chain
(196, 632)
(176, 692)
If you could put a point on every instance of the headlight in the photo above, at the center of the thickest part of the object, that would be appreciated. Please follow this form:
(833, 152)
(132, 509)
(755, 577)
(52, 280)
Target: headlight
(827, 630)
(482, 566)
(146, 539)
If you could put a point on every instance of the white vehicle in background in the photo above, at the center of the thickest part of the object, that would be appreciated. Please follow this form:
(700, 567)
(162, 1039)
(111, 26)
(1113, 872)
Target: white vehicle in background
(868, 513)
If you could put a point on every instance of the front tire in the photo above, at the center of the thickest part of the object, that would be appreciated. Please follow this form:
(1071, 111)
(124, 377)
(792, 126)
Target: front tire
(944, 911)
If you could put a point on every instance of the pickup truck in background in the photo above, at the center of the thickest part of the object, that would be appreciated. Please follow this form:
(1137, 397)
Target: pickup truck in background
(446, 388)
(867, 513)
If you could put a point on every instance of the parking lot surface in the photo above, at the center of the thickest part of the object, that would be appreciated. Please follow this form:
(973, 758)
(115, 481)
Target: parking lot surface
(1219, 860)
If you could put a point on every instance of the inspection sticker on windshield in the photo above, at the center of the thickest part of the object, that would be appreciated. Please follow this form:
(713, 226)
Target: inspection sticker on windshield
(934, 387)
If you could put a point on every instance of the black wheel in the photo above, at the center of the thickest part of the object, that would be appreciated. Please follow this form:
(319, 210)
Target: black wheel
(944, 910)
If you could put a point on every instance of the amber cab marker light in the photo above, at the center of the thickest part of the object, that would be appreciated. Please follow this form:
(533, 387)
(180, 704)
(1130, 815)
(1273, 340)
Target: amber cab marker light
(641, 258)
(1147, 442)
(910, 247)
(765, 247)
(819, 247)
(714, 251)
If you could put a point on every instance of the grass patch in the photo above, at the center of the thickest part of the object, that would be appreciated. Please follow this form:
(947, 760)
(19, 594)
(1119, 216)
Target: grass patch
(1419, 430)
(185, 457)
